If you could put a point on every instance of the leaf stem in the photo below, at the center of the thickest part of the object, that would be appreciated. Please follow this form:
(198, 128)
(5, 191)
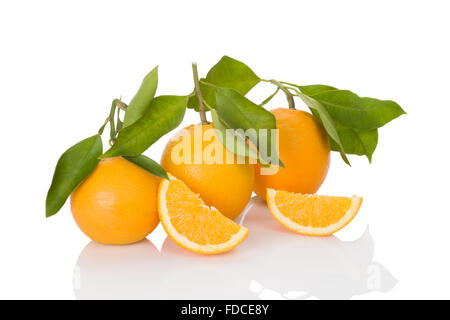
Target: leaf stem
(112, 127)
(289, 84)
(119, 123)
(208, 84)
(199, 94)
(102, 128)
(269, 97)
(121, 105)
(208, 106)
(289, 96)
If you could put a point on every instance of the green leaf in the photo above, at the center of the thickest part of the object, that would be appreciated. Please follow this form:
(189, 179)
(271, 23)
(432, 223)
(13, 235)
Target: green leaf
(149, 165)
(315, 89)
(227, 73)
(237, 112)
(359, 143)
(356, 119)
(352, 142)
(165, 114)
(72, 168)
(322, 114)
(143, 98)
(231, 139)
(352, 111)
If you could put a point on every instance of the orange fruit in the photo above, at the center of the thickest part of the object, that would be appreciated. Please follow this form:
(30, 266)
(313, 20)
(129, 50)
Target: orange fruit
(192, 224)
(311, 214)
(223, 185)
(305, 151)
(116, 203)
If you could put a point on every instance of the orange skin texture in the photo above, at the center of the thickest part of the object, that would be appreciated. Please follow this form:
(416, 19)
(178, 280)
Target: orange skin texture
(304, 149)
(117, 203)
(227, 187)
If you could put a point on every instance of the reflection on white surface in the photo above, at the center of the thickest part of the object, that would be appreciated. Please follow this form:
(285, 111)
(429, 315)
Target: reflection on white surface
(116, 272)
(272, 263)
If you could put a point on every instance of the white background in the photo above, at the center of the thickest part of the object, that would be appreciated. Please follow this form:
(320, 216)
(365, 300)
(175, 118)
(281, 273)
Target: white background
(62, 63)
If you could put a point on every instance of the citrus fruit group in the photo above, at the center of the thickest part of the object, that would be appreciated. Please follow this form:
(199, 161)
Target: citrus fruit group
(310, 214)
(304, 148)
(192, 224)
(116, 203)
(196, 156)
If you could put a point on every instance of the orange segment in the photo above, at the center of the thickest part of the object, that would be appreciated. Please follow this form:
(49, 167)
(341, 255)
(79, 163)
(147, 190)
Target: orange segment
(192, 224)
(311, 214)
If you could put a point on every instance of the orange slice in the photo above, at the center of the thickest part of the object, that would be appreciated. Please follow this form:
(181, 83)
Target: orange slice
(311, 214)
(192, 224)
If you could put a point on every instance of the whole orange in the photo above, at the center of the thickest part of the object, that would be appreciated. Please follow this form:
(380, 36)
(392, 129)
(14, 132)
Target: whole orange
(304, 148)
(196, 156)
(116, 203)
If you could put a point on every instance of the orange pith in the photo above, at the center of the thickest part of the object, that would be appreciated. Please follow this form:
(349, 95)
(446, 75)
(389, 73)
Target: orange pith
(192, 224)
(311, 214)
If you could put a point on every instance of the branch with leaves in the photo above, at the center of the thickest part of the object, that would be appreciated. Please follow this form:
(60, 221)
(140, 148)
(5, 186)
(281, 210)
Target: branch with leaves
(352, 122)
(147, 118)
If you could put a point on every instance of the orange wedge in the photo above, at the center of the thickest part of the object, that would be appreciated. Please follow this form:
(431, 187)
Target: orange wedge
(311, 214)
(192, 224)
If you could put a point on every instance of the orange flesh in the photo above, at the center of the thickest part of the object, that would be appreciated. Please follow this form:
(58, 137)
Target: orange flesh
(194, 220)
(312, 210)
